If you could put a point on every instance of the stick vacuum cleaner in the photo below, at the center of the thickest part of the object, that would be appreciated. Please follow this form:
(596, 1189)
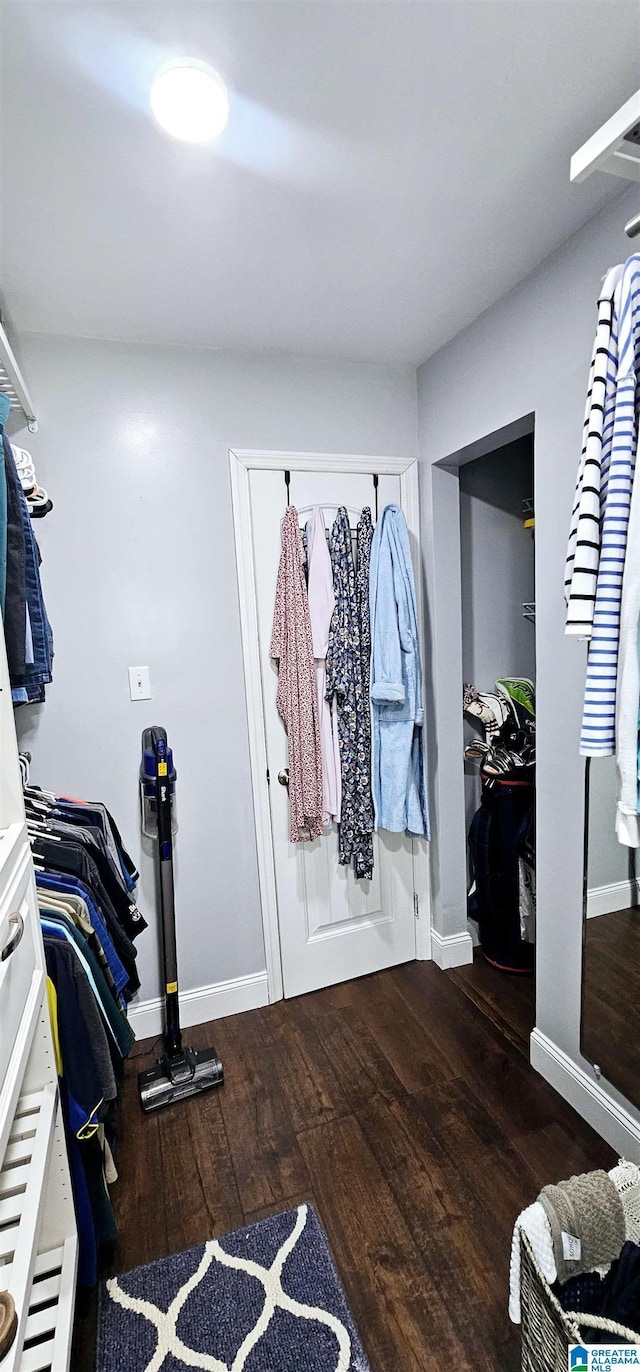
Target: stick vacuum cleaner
(180, 1072)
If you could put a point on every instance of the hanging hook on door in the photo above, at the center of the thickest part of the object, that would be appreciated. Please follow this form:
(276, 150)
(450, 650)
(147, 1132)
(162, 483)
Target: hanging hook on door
(375, 492)
(287, 482)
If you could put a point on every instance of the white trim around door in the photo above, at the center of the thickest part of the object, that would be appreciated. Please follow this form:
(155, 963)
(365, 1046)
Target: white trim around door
(241, 462)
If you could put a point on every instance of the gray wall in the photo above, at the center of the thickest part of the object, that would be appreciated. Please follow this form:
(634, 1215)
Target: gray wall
(139, 569)
(497, 577)
(529, 353)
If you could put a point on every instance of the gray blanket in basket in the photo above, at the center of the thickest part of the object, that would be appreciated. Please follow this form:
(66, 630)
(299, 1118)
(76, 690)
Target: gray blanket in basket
(587, 1223)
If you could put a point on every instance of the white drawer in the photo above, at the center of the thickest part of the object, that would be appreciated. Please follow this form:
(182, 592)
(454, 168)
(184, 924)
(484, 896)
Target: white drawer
(13, 841)
(19, 928)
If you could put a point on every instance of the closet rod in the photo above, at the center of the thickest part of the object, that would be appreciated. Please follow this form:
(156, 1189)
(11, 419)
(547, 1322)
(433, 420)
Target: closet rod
(632, 228)
(12, 383)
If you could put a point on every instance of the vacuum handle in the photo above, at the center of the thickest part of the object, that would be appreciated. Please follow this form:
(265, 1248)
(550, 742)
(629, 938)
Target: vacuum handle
(158, 736)
(173, 1037)
(163, 793)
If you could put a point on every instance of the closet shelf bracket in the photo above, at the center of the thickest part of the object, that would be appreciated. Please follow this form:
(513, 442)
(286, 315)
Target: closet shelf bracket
(13, 384)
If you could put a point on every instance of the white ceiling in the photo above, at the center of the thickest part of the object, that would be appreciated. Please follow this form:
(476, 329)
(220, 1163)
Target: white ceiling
(390, 168)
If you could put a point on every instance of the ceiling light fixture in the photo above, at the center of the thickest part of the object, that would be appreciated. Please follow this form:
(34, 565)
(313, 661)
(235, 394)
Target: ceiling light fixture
(190, 101)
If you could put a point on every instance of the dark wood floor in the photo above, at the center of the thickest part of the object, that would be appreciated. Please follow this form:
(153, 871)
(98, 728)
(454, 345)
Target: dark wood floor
(405, 1115)
(611, 998)
(507, 998)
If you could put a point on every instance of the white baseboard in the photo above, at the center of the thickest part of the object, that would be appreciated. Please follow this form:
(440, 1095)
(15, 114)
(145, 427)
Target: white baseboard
(618, 1126)
(451, 950)
(474, 932)
(202, 1003)
(619, 895)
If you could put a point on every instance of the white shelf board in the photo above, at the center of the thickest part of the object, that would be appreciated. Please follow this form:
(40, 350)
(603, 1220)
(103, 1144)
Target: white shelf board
(13, 384)
(608, 149)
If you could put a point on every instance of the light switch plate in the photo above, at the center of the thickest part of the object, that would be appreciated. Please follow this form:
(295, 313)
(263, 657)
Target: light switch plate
(139, 683)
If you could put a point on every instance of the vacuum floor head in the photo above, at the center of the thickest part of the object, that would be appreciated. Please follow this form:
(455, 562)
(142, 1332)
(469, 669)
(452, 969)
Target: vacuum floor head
(176, 1078)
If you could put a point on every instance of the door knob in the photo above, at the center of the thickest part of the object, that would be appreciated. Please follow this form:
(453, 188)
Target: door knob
(283, 776)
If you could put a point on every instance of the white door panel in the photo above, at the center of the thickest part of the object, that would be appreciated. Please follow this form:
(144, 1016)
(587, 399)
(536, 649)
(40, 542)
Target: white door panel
(332, 926)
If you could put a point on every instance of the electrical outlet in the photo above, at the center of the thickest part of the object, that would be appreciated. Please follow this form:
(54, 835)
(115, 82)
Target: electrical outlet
(139, 683)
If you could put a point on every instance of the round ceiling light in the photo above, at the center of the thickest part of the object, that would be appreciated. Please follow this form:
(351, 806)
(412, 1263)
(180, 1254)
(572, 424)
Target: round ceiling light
(190, 101)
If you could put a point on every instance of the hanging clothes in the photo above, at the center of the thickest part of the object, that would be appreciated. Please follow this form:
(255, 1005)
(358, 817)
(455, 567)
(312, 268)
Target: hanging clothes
(84, 883)
(628, 687)
(28, 636)
(364, 539)
(583, 552)
(5, 407)
(292, 647)
(344, 685)
(598, 735)
(15, 619)
(398, 758)
(321, 606)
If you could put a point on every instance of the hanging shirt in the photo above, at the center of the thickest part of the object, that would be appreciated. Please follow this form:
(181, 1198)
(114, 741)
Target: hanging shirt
(78, 911)
(101, 913)
(628, 687)
(27, 629)
(86, 1060)
(398, 765)
(598, 720)
(583, 553)
(364, 539)
(115, 1020)
(15, 587)
(321, 605)
(628, 680)
(291, 646)
(344, 684)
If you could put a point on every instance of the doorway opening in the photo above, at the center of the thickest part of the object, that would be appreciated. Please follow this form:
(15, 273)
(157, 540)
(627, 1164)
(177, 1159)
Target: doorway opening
(497, 566)
(484, 537)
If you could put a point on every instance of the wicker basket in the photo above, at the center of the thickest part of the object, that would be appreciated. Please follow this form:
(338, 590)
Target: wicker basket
(547, 1330)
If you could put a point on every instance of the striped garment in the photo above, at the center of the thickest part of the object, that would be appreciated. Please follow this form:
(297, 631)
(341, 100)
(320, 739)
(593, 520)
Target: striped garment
(583, 552)
(617, 470)
(628, 686)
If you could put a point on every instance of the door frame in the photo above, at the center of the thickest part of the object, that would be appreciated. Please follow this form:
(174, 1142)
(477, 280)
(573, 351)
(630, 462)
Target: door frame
(241, 462)
(452, 939)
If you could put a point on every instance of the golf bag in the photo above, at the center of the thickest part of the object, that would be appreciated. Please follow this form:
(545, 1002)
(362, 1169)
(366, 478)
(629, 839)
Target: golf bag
(501, 845)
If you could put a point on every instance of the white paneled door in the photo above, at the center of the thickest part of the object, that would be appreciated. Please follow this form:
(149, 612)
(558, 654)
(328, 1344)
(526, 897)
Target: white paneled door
(330, 926)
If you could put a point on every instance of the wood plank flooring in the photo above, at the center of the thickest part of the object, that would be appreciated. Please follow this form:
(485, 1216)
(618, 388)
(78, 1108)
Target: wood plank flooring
(508, 998)
(415, 1126)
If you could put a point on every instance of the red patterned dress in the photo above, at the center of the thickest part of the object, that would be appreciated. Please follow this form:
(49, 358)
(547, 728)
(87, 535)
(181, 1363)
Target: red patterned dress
(292, 647)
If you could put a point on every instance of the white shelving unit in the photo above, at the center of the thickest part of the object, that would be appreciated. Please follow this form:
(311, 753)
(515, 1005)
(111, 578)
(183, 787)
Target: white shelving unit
(614, 147)
(38, 1236)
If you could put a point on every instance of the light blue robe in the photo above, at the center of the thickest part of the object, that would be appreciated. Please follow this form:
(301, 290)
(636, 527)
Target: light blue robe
(398, 771)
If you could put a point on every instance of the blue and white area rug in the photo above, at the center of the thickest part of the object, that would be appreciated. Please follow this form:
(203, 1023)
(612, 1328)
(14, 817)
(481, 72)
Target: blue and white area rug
(263, 1299)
